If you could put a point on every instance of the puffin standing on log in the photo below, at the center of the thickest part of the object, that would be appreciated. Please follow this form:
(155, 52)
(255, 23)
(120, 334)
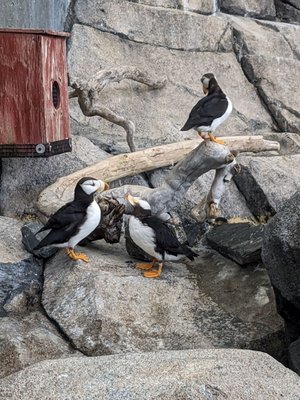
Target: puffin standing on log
(75, 220)
(210, 111)
(154, 237)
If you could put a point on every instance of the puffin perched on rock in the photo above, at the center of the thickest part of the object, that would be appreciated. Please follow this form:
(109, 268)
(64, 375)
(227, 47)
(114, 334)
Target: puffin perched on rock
(154, 237)
(75, 220)
(210, 111)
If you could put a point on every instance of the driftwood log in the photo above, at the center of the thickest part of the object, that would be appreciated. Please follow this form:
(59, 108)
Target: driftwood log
(88, 94)
(196, 157)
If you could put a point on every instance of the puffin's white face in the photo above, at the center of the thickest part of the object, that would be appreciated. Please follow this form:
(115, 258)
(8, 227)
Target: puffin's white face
(205, 82)
(138, 201)
(92, 185)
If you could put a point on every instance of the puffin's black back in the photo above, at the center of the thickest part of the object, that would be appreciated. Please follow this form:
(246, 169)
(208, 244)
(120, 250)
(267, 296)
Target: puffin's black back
(166, 240)
(210, 107)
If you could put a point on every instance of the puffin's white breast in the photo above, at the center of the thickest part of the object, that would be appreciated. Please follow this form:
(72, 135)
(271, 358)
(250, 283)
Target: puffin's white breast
(144, 237)
(92, 220)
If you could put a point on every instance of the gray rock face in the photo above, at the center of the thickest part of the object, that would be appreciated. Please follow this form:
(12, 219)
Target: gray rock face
(21, 286)
(264, 9)
(288, 10)
(22, 179)
(27, 341)
(241, 242)
(281, 255)
(174, 29)
(198, 6)
(166, 109)
(116, 310)
(195, 374)
(268, 182)
(11, 249)
(20, 274)
(266, 51)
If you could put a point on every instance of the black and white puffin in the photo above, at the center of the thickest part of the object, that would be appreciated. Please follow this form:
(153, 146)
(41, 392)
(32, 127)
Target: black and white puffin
(154, 237)
(210, 111)
(75, 220)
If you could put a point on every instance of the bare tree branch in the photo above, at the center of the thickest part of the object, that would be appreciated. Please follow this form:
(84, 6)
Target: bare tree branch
(88, 93)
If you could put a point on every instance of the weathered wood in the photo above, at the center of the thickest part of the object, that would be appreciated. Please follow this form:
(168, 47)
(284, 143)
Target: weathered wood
(88, 93)
(210, 156)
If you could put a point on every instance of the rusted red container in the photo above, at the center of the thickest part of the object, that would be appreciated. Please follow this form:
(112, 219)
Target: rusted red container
(34, 115)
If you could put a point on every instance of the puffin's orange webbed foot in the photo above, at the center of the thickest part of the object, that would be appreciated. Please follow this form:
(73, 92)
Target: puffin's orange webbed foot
(144, 266)
(77, 256)
(154, 274)
(214, 139)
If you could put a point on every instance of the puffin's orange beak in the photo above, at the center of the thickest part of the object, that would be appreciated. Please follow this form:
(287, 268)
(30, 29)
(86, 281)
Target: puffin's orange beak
(106, 186)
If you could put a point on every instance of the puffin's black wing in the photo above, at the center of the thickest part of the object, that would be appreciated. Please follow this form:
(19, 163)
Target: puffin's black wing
(206, 110)
(69, 213)
(63, 224)
(166, 240)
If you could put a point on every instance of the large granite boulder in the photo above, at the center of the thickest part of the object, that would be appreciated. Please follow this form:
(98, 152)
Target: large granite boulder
(266, 51)
(241, 242)
(158, 114)
(288, 10)
(108, 307)
(22, 179)
(28, 340)
(268, 182)
(281, 256)
(168, 375)
(264, 9)
(189, 31)
(21, 275)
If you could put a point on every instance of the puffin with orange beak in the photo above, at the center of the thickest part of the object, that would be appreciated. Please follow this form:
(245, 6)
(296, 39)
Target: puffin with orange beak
(154, 237)
(210, 111)
(75, 220)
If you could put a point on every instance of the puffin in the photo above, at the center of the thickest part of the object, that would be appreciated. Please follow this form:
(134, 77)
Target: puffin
(210, 111)
(154, 237)
(75, 220)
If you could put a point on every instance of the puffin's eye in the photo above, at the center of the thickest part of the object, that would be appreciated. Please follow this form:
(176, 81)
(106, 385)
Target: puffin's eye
(93, 183)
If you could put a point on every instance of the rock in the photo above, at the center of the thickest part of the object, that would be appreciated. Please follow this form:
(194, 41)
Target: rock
(294, 355)
(19, 191)
(289, 142)
(28, 340)
(20, 286)
(241, 242)
(264, 9)
(281, 256)
(288, 11)
(115, 309)
(266, 51)
(198, 6)
(194, 374)
(11, 249)
(20, 273)
(267, 182)
(171, 104)
(174, 29)
(30, 240)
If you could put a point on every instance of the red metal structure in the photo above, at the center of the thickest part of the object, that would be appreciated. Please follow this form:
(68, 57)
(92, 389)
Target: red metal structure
(34, 117)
